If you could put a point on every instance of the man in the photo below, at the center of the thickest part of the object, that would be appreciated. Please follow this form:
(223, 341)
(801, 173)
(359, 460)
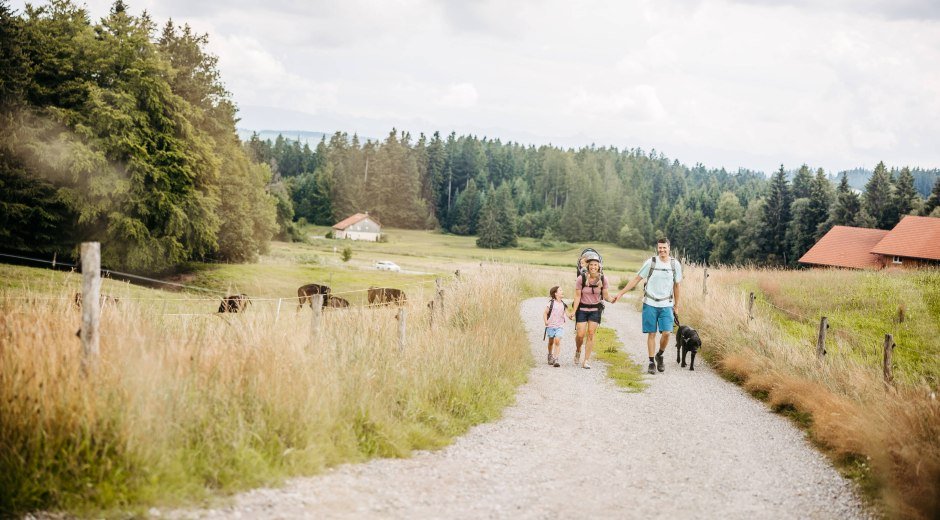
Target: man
(660, 297)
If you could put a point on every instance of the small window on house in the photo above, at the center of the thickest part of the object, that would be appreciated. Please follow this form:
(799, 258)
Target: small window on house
(897, 260)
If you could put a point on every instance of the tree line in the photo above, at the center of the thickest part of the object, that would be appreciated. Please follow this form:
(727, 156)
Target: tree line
(123, 132)
(471, 186)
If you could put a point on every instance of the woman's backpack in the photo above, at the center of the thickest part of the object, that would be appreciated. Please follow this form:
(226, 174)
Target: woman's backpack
(589, 254)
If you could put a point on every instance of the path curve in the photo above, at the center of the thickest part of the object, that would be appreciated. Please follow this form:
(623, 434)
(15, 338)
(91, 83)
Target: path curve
(690, 446)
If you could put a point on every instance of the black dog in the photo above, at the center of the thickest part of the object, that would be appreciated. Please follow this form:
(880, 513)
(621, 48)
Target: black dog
(687, 340)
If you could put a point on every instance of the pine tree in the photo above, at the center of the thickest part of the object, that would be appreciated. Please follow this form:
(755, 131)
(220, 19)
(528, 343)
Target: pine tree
(847, 205)
(878, 199)
(467, 210)
(820, 201)
(906, 198)
(749, 241)
(776, 219)
(801, 231)
(497, 227)
(802, 183)
(933, 201)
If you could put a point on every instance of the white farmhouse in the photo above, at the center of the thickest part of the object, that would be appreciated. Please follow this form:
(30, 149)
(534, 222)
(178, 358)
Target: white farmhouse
(358, 227)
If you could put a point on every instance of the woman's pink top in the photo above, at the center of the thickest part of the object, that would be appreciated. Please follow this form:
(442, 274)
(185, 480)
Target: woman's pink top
(591, 295)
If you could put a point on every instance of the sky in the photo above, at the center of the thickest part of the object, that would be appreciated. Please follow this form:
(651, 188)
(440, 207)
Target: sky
(726, 83)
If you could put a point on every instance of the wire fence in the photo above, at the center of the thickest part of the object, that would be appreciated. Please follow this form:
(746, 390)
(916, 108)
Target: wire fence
(859, 338)
(223, 295)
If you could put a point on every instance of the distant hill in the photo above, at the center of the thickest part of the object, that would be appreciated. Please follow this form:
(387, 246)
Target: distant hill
(923, 179)
(304, 136)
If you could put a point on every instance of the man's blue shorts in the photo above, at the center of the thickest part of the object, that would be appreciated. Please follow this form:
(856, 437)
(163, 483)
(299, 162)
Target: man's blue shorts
(555, 332)
(657, 319)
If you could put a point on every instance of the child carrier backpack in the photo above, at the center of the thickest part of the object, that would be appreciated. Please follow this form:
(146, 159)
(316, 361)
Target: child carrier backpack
(672, 267)
(589, 254)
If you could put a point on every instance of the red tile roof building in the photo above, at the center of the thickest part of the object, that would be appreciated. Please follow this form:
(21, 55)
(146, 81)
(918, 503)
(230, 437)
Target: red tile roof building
(913, 237)
(914, 242)
(845, 246)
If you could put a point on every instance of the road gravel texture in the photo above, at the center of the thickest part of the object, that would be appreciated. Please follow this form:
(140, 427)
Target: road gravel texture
(574, 445)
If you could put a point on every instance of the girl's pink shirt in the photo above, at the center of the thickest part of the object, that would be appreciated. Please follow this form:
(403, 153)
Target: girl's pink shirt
(557, 317)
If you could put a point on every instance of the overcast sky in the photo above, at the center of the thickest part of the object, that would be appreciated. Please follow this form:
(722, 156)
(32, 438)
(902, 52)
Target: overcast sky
(750, 83)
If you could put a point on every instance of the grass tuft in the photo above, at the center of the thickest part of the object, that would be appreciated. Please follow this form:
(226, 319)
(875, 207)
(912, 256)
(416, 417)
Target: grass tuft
(620, 366)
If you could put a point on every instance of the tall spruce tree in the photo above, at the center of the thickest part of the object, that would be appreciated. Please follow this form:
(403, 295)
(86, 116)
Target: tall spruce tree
(749, 243)
(802, 183)
(906, 198)
(467, 210)
(776, 219)
(821, 199)
(878, 200)
(801, 231)
(497, 227)
(933, 201)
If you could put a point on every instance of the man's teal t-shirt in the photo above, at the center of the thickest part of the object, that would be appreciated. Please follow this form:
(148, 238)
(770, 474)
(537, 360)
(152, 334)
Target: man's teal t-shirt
(659, 284)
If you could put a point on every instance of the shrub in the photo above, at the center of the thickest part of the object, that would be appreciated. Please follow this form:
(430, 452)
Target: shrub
(347, 253)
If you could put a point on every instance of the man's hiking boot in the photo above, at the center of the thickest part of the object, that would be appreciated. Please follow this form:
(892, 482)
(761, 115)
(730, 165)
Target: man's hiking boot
(556, 363)
(549, 358)
(659, 362)
(652, 368)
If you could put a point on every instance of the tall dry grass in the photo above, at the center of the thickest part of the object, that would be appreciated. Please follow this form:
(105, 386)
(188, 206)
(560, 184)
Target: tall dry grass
(183, 405)
(887, 436)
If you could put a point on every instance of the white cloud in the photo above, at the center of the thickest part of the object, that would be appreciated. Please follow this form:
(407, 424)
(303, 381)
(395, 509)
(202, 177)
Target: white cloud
(637, 103)
(751, 83)
(461, 95)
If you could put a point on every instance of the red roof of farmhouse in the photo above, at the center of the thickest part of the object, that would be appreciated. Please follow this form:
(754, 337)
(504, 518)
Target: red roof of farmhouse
(913, 237)
(845, 246)
(348, 221)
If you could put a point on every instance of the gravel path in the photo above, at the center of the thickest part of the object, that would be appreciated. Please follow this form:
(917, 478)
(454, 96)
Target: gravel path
(690, 446)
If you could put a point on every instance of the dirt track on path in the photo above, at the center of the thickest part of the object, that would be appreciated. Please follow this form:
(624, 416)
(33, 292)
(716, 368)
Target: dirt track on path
(690, 446)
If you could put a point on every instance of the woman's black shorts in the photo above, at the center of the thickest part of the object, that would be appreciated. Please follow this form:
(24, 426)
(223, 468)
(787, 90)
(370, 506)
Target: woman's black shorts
(588, 314)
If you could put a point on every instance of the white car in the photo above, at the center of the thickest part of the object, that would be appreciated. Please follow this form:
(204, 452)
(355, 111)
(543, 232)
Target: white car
(385, 265)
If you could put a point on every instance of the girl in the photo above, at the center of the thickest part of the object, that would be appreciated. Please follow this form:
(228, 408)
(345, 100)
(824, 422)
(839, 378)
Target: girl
(554, 318)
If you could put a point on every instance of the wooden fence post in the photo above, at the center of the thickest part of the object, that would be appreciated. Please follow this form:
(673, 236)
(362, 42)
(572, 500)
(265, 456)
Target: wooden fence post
(705, 282)
(317, 311)
(439, 297)
(750, 308)
(887, 366)
(402, 312)
(91, 304)
(821, 340)
(277, 313)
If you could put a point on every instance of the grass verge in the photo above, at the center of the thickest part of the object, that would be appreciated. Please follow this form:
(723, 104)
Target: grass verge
(887, 438)
(620, 366)
(183, 407)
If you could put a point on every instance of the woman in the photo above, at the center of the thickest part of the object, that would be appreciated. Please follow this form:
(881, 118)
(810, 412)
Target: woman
(589, 291)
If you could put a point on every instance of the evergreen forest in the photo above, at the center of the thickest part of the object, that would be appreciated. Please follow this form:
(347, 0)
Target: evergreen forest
(122, 131)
